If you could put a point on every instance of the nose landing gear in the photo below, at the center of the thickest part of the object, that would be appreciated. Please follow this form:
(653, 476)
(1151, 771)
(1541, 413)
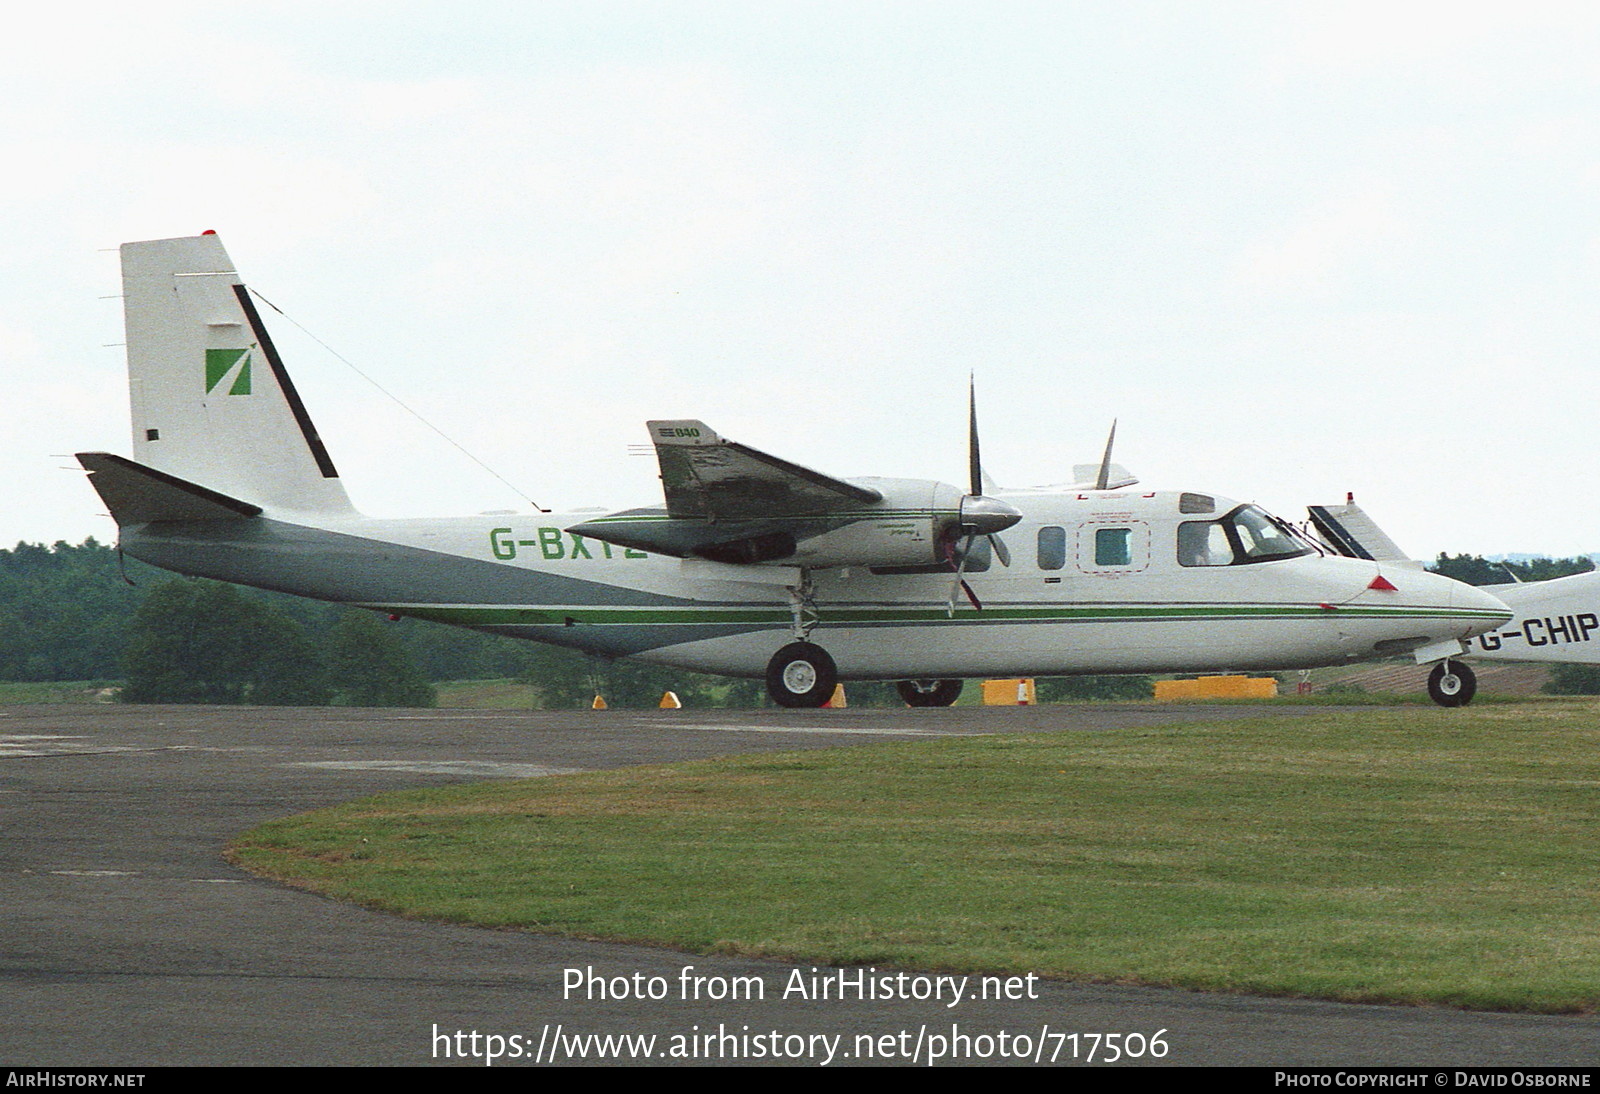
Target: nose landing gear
(1452, 684)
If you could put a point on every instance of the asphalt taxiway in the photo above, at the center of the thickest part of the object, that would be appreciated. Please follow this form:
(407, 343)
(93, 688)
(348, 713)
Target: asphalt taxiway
(126, 940)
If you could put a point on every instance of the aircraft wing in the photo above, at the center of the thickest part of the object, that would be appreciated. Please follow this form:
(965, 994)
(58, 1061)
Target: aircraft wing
(708, 477)
(727, 502)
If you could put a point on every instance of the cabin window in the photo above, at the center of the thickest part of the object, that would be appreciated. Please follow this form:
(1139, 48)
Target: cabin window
(1052, 547)
(1196, 503)
(1113, 546)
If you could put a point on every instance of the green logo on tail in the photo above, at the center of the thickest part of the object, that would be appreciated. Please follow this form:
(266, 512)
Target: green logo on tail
(222, 363)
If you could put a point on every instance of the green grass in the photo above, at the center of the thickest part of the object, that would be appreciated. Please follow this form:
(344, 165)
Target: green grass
(488, 694)
(1375, 699)
(73, 691)
(1403, 856)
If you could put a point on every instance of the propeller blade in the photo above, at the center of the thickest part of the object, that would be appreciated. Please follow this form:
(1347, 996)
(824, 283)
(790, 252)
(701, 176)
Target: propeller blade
(972, 596)
(960, 581)
(974, 462)
(1104, 478)
(976, 515)
(950, 558)
(1001, 551)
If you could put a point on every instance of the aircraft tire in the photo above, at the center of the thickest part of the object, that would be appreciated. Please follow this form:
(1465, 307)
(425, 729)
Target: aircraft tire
(940, 693)
(801, 675)
(1452, 684)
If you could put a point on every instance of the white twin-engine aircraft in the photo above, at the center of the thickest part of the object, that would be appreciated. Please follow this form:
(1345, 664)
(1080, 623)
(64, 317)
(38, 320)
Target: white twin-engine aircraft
(755, 566)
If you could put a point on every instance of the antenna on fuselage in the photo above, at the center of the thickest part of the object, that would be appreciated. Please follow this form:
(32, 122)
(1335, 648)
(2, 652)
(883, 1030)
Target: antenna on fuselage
(399, 402)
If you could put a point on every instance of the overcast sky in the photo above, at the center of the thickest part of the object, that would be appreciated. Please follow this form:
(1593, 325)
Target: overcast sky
(1297, 249)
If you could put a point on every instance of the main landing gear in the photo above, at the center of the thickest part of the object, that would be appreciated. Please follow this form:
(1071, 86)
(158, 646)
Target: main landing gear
(929, 693)
(801, 675)
(1452, 684)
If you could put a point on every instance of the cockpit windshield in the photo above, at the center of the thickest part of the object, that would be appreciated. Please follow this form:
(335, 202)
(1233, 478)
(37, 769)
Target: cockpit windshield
(1247, 534)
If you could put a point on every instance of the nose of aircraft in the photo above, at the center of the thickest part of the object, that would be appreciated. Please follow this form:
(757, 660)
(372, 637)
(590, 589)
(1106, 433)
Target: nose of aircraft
(1488, 610)
(1461, 610)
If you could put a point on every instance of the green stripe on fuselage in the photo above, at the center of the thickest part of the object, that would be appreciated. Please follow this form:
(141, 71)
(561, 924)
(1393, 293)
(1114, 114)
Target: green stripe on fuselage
(488, 616)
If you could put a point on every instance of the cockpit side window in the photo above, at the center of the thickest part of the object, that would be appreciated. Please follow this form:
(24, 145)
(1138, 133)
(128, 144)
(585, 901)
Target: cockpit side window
(1247, 534)
(1262, 538)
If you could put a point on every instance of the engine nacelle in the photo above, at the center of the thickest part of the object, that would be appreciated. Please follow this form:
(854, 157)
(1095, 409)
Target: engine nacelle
(914, 523)
(911, 526)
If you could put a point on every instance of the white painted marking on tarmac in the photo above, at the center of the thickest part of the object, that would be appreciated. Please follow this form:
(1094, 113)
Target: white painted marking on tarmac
(96, 873)
(451, 717)
(847, 730)
(487, 769)
(19, 745)
(16, 745)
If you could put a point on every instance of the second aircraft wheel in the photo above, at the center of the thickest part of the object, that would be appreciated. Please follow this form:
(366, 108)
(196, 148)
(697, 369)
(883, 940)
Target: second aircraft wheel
(929, 693)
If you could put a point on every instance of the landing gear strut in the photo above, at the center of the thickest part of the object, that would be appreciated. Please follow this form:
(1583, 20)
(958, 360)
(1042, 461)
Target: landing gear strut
(1452, 684)
(801, 675)
(929, 693)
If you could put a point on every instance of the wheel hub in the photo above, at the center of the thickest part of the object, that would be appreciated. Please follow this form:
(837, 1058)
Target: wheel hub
(799, 677)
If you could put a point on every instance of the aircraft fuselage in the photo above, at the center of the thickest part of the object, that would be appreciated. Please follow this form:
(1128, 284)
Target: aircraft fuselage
(1099, 582)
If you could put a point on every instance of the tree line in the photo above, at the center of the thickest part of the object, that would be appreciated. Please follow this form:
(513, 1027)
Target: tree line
(1477, 570)
(86, 613)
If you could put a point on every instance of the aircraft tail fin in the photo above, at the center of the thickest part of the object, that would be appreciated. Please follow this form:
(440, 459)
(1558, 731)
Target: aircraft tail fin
(213, 405)
(137, 494)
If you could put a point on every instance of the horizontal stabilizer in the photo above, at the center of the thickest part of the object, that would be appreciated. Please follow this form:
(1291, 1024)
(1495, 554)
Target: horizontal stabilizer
(1350, 532)
(137, 494)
